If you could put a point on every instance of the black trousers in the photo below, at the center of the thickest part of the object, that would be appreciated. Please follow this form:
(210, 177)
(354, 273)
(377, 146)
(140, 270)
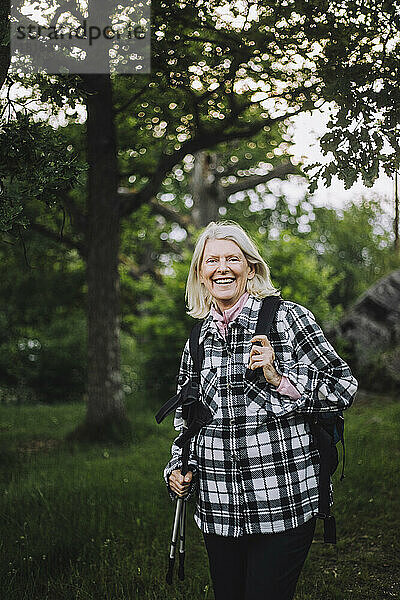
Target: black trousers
(260, 566)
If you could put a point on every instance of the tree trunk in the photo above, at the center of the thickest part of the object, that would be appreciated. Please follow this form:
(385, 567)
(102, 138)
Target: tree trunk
(208, 196)
(4, 40)
(396, 213)
(106, 417)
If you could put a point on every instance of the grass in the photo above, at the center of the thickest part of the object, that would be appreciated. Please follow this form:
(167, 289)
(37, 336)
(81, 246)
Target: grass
(94, 522)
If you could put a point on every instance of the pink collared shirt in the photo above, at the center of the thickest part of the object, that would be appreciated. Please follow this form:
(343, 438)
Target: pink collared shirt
(222, 319)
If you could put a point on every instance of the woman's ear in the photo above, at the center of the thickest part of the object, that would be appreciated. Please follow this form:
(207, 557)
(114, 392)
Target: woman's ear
(252, 272)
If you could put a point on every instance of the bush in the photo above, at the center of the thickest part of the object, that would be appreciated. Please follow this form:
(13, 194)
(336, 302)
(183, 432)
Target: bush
(46, 364)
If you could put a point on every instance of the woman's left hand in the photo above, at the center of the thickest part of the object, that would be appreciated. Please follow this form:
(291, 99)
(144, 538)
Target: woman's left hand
(264, 356)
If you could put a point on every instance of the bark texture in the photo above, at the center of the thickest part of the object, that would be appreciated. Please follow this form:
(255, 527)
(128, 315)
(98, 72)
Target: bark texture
(105, 411)
(207, 192)
(4, 43)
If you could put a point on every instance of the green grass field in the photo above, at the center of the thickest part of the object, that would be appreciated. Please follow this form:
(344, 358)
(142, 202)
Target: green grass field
(94, 522)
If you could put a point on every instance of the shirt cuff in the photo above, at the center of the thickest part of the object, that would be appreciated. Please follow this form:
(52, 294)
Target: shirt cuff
(288, 389)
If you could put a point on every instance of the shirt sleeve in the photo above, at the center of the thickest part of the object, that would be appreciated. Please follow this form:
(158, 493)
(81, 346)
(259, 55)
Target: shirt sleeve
(323, 380)
(287, 389)
(185, 373)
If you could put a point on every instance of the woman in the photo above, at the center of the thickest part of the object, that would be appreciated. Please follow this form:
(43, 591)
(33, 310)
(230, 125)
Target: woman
(254, 465)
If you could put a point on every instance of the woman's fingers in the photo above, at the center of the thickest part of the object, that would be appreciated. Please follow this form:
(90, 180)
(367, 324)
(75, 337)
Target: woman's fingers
(255, 354)
(180, 484)
(261, 338)
(264, 356)
(261, 356)
(259, 362)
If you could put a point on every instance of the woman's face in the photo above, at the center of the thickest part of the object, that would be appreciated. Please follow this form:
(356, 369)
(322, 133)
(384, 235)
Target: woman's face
(224, 271)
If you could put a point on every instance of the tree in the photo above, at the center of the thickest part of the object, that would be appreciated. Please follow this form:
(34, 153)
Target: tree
(358, 60)
(24, 143)
(42, 321)
(190, 128)
(356, 243)
(224, 79)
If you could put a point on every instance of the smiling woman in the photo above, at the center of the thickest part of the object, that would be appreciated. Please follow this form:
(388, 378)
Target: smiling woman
(253, 465)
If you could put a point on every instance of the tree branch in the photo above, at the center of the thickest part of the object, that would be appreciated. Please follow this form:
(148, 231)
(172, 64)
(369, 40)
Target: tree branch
(78, 217)
(130, 101)
(55, 237)
(4, 46)
(136, 272)
(250, 182)
(170, 214)
(130, 202)
(170, 247)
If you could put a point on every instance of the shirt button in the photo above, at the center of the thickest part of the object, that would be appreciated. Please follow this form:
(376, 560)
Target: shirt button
(232, 421)
(229, 386)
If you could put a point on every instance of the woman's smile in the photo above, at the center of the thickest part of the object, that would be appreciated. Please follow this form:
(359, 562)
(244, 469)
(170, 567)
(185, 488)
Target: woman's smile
(224, 280)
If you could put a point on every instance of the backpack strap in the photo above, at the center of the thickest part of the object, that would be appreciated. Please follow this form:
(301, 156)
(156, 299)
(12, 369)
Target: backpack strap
(189, 392)
(196, 349)
(324, 443)
(266, 315)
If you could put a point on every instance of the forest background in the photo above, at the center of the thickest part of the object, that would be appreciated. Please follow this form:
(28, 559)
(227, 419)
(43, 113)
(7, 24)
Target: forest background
(106, 181)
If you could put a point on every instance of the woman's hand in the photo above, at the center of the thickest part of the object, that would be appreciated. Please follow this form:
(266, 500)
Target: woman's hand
(179, 484)
(263, 356)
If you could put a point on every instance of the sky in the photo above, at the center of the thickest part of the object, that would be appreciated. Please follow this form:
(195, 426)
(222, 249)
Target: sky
(307, 129)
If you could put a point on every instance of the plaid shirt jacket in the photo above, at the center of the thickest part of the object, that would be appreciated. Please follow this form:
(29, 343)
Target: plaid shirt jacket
(255, 467)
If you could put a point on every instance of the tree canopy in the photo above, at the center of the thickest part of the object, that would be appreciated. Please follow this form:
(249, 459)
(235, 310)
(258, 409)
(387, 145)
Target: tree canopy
(165, 152)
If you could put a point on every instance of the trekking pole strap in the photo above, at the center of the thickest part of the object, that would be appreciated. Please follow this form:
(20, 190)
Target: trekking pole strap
(188, 394)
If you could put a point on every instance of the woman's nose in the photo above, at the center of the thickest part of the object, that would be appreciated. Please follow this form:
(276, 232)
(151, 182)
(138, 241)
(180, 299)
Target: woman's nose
(222, 265)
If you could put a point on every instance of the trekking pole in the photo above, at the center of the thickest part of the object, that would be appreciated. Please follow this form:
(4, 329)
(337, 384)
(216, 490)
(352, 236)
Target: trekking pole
(179, 522)
(182, 528)
(181, 570)
(195, 415)
(176, 526)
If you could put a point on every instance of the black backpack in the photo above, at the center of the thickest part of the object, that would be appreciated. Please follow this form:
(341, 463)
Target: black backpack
(327, 429)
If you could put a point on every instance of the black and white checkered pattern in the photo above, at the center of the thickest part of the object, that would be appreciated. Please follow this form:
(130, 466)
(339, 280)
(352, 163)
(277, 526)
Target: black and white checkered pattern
(255, 465)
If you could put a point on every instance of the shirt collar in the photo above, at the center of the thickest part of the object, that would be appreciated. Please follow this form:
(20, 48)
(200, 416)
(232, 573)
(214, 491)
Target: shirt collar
(247, 318)
(231, 313)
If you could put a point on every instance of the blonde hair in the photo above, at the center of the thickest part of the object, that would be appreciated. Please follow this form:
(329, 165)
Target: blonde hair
(198, 298)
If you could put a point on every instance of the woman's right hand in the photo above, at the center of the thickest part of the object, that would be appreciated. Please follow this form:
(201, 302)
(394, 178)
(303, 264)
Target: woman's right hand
(178, 483)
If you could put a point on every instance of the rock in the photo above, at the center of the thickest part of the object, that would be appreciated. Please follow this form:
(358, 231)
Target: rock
(371, 330)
